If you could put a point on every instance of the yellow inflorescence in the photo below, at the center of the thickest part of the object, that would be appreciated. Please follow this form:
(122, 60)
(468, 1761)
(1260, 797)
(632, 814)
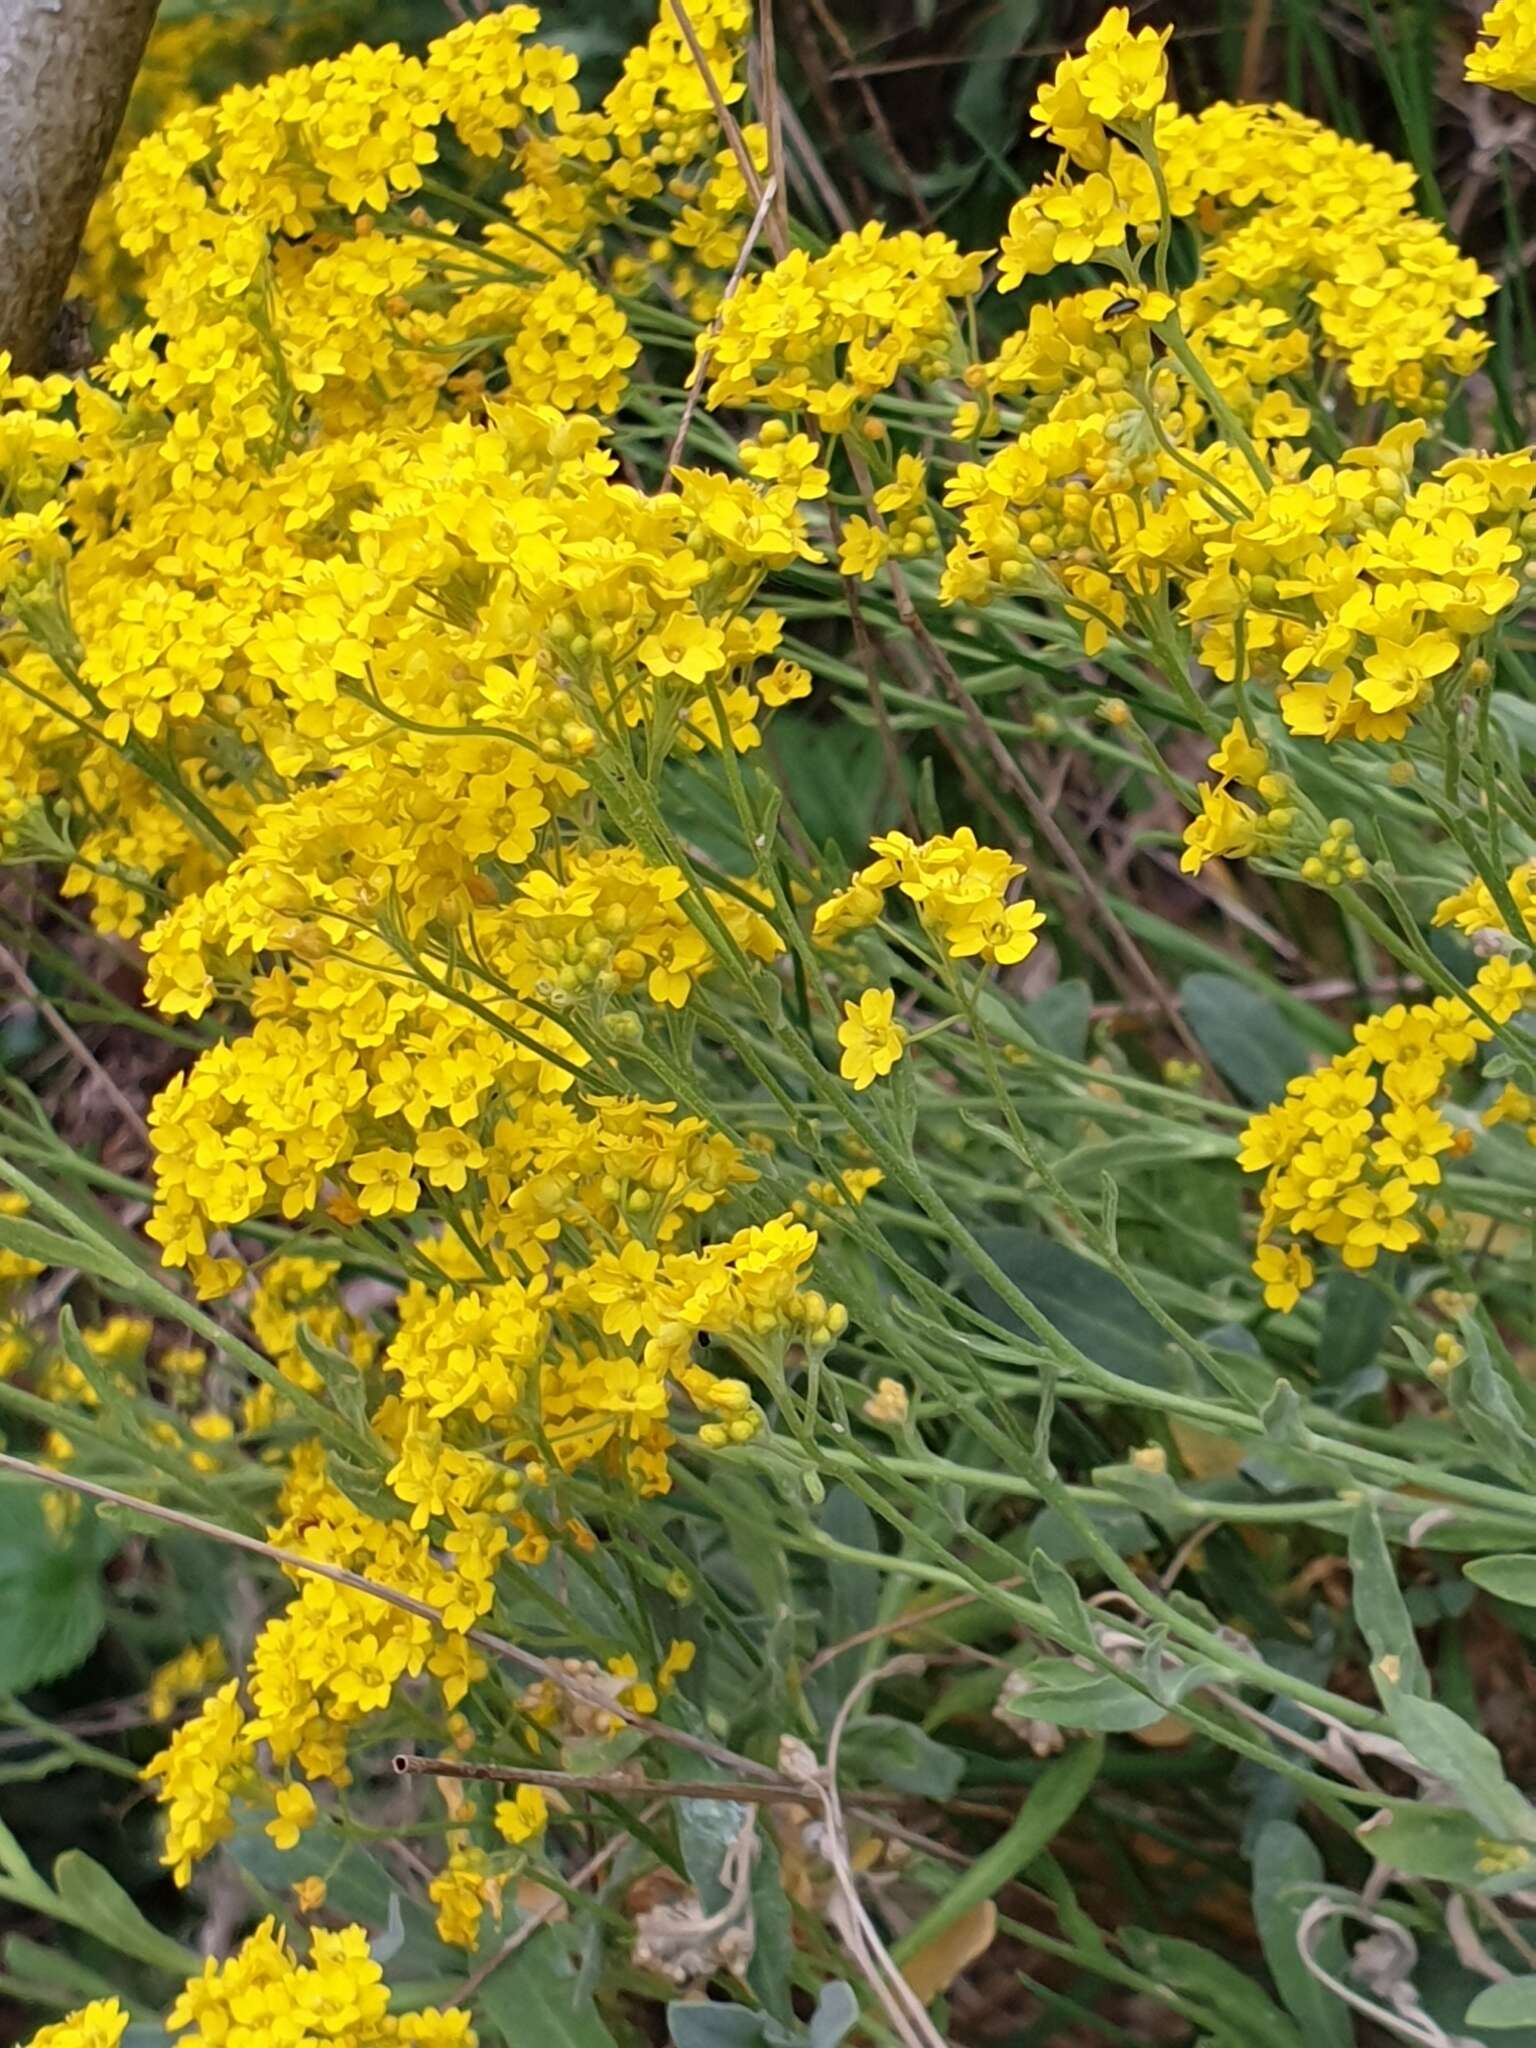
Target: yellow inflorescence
(349, 661)
(1348, 1154)
(1507, 58)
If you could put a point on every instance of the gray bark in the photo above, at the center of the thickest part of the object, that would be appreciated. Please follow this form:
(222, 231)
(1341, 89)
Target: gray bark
(66, 67)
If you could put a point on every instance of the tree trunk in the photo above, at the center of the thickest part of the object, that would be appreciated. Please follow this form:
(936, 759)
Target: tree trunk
(66, 67)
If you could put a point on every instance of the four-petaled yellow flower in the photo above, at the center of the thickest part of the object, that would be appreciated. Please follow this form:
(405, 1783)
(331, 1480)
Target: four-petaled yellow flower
(871, 1040)
(522, 1818)
(296, 1811)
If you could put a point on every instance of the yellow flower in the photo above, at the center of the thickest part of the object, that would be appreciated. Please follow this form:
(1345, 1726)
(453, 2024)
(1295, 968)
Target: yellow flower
(101, 2024)
(296, 1811)
(872, 1042)
(1286, 1272)
(1226, 829)
(383, 1178)
(1508, 59)
(522, 1818)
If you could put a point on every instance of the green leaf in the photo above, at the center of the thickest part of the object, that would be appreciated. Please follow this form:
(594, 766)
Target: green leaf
(834, 788)
(986, 107)
(1054, 1798)
(1511, 2004)
(1247, 1040)
(96, 1902)
(1199, 1973)
(536, 1996)
(36, 1241)
(1506, 1576)
(1058, 1590)
(1444, 1744)
(1090, 1307)
(50, 1965)
(1066, 1695)
(1451, 1847)
(1287, 1873)
(1489, 1407)
(836, 2014)
(1053, 1536)
(51, 1606)
(713, 2026)
(853, 1596)
(1379, 1606)
(898, 1754)
(1057, 1020)
(1356, 1313)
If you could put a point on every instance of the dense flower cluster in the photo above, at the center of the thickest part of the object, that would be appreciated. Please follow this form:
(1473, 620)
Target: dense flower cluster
(959, 888)
(335, 654)
(1507, 59)
(264, 1994)
(350, 665)
(1347, 1154)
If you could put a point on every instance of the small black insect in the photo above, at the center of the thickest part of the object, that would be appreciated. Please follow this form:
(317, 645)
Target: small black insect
(1120, 308)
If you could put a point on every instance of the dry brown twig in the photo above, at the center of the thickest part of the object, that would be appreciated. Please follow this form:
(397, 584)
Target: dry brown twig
(730, 126)
(67, 1036)
(848, 1913)
(706, 348)
(769, 106)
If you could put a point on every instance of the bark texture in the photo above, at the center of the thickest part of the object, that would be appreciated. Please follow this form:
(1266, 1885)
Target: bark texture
(66, 67)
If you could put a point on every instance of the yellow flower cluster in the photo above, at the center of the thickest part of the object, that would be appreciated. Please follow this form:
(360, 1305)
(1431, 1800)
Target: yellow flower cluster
(826, 334)
(346, 666)
(959, 888)
(264, 1994)
(1298, 227)
(190, 1672)
(101, 2024)
(1227, 827)
(1507, 59)
(1476, 912)
(1348, 1151)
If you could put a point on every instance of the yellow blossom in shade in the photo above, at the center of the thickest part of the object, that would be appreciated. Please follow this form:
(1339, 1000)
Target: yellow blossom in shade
(1507, 58)
(1504, 987)
(679, 1659)
(192, 1670)
(461, 1891)
(523, 1818)
(852, 909)
(1226, 829)
(1286, 1272)
(1239, 758)
(296, 1810)
(871, 1040)
(309, 1894)
(863, 550)
(783, 683)
(205, 1764)
(101, 2024)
